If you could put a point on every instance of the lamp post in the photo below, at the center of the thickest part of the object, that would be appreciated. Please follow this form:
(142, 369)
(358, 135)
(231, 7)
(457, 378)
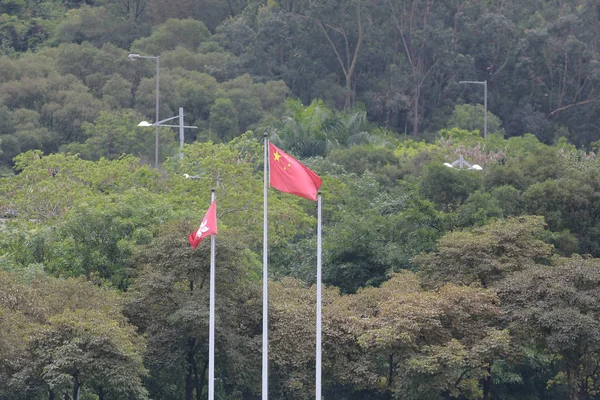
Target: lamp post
(461, 162)
(484, 83)
(180, 126)
(157, 58)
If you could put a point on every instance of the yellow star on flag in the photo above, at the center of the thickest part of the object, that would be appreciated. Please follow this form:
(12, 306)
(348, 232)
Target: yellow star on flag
(290, 176)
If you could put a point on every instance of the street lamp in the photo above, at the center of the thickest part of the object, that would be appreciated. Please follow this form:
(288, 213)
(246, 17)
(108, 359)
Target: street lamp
(180, 126)
(461, 162)
(157, 58)
(484, 83)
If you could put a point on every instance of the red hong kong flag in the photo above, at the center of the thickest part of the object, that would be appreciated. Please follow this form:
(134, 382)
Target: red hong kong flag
(207, 227)
(290, 176)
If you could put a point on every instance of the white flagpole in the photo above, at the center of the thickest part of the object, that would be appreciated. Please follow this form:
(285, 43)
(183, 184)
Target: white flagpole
(265, 325)
(319, 301)
(211, 333)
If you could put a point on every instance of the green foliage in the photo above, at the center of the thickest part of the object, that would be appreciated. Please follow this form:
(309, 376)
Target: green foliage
(509, 200)
(554, 306)
(315, 130)
(292, 307)
(410, 148)
(526, 161)
(196, 92)
(449, 188)
(12, 6)
(22, 249)
(66, 85)
(380, 162)
(471, 118)
(96, 25)
(368, 234)
(97, 237)
(234, 170)
(486, 254)
(114, 135)
(62, 181)
(569, 203)
(83, 346)
(354, 249)
(170, 305)
(28, 135)
(409, 336)
(224, 119)
(72, 336)
(187, 33)
(22, 29)
(456, 134)
(209, 58)
(103, 210)
(117, 92)
(479, 209)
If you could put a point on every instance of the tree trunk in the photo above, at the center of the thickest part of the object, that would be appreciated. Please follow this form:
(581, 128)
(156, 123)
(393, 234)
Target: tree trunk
(189, 387)
(200, 380)
(203, 378)
(76, 386)
(350, 75)
(196, 380)
(487, 384)
(573, 394)
(348, 66)
(390, 370)
(100, 393)
(190, 382)
(416, 112)
(51, 395)
(572, 382)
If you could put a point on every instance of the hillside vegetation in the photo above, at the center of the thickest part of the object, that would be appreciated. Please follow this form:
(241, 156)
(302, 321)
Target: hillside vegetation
(439, 283)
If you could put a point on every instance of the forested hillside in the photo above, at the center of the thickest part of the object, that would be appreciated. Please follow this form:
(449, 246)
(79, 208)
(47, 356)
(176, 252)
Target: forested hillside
(231, 64)
(439, 283)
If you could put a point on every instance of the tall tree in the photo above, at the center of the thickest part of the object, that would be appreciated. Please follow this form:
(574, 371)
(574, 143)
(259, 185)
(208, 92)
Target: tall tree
(77, 340)
(554, 308)
(417, 344)
(341, 23)
(169, 304)
(417, 27)
(484, 255)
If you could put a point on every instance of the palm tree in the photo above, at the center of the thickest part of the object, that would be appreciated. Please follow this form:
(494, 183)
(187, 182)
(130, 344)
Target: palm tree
(315, 130)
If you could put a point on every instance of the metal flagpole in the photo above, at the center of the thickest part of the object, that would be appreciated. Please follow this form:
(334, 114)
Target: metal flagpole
(211, 334)
(319, 301)
(181, 134)
(265, 325)
(157, 109)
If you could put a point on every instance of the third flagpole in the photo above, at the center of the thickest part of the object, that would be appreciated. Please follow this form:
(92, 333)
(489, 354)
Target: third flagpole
(319, 301)
(265, 325)
(211, 333)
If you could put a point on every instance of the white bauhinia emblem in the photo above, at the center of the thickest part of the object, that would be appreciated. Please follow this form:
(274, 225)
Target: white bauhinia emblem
(203, 228)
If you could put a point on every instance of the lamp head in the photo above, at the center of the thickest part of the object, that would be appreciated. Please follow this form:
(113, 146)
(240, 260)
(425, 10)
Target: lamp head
(448, 165)
(133, 56)
(144, 123)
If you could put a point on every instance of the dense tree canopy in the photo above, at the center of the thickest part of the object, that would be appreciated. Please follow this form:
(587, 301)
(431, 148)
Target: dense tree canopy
(440, 283)
(231, 66)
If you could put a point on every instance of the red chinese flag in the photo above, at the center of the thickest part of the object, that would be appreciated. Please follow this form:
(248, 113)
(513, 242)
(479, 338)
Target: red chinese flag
(207, 227)
(288, 175)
